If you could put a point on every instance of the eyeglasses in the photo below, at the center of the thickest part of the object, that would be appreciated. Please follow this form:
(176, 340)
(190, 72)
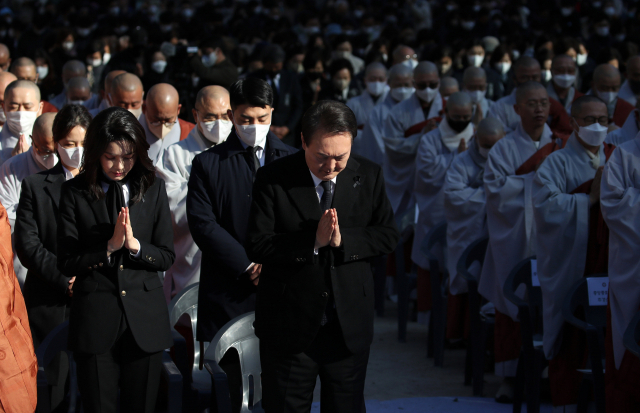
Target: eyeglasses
(432, 85)
(590, 120)
(535, 105)
(411, 56)
(43, 153)
(166, 123)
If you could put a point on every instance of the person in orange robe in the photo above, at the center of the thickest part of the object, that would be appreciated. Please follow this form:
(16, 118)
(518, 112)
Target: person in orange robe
(18, 363)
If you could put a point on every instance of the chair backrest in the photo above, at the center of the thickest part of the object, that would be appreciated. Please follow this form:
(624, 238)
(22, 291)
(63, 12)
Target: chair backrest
(437, 237)
(521, 274)
(475, 252)
(240, 334)
(595, 316)
(186, 302)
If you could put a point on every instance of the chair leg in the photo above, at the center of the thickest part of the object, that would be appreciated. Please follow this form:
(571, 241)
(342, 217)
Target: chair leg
(533, 382)
(584, 396)
(479, 345)
(402, 280)
(468, 366)
(441, 335)
(518, 394)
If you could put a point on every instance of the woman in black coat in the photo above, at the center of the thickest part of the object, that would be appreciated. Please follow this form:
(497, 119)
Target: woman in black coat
(114, 235)
(47, 292)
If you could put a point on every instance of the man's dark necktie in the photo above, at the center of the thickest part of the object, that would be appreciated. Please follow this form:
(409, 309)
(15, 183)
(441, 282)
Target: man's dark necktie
(252, 157)
(325, 203)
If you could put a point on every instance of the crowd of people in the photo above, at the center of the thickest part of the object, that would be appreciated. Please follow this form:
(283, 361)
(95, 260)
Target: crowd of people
(135, 160)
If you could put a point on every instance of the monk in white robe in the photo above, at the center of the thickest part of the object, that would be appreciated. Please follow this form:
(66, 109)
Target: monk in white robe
(40, 157)
(375, 79)
(566, 194)
(562, 86)
(405, 125)
(606, 85)
(527, 69)
(369, 143)
(160, 120)
(213, 127)
(627, 132)
(508, 182)
(633, 82)
(436, 151)
(465, 212)
(474, 83)
(619, 200)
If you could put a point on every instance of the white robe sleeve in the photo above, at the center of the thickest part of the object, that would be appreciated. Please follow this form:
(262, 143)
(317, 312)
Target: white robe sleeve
(562, 232)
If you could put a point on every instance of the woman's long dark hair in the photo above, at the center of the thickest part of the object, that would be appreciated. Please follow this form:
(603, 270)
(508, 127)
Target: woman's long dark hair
(117, 125)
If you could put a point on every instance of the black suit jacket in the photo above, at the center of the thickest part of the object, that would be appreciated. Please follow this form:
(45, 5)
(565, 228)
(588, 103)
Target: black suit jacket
(295, 285)
(36, 230)
(218, 203)
(287, 99)
(103, 290)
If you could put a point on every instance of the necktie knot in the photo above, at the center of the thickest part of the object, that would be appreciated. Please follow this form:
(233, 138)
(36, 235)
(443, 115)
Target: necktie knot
(326, 185)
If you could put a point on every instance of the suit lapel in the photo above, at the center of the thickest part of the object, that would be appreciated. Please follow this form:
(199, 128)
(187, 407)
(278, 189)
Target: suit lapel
(302, 191)
(348, 185)
(53, 185)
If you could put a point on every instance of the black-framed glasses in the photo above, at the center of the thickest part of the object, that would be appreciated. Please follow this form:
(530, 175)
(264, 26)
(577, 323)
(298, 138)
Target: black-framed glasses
(590, 120)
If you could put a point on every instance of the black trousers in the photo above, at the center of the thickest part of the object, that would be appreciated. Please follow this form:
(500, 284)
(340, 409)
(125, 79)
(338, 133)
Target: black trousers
(288, 380)
(124, 366)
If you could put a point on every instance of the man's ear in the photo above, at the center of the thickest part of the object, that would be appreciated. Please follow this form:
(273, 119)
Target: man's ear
(230, 115)
(41, 106)
(304, 145)
(195, 115)
(144, 108)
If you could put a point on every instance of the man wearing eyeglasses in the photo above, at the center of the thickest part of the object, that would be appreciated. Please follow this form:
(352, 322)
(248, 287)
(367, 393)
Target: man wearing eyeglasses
(39, 157)
(571, 238)
(508, 180)
(160, 120)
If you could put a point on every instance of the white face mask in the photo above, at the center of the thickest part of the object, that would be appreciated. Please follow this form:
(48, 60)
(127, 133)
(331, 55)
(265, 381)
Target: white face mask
(608, 97)
(475, 60)
(564, 81)
(71, 158)
(95, 62)
(67, 46)
(253, 135)
(136, 112)
(106, 57)
(546, 75)
(376, 88)
(411, 64)
(402, 93)
(484, 152)
(47, 161)
(476, 95)
(3, 118)
(21, 122)
(210, 59)
(581, 59)
(158, 66)
(468, 25)
(427, 94)
(593, 134)
(503, 67)
(42, 71)
(216, 131)
(161, 130)
(76, 102)
(602, 31)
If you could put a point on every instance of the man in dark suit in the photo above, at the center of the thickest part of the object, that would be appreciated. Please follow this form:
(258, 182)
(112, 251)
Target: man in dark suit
(317, 219)
(287, 94)
(218, 203)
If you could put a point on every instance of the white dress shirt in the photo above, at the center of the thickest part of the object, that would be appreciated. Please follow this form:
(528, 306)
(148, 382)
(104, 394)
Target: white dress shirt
(320, 191)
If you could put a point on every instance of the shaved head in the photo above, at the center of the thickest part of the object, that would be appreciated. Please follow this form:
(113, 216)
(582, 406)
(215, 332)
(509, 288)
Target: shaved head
(127, 92)
(375, 66)
(448, 86)
(488, 132)
(108, 80)
(583, 101)
(24, 69)
(633, 72)
(473, 73)
(22, 62)
(5, 79)
(525, 90)
(526, 69)
(212, 104)
(78, 89)
(5, 57)
(459, 100)
(15, 86)
(73, 68)
(42, 134)
(425, 68)
(399, 70)
(561, 60)
(606, 78)
(401, 52)
(162, 104)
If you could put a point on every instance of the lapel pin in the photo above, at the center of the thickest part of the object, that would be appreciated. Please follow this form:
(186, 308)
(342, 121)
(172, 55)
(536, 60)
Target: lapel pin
(357, 180)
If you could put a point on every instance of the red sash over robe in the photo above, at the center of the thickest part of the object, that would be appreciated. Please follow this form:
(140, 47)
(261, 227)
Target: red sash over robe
(185, 128)
(559, 120)
(563, 375)
(557, 143)
(507, 338)
(621, 112)
(418, 127)
(621, 385)
(48, 107)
